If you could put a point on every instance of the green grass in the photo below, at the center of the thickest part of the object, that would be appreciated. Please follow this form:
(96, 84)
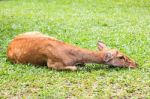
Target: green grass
(121, 24)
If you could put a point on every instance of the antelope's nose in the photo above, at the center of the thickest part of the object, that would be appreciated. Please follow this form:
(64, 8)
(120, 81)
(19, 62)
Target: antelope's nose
(133, 65)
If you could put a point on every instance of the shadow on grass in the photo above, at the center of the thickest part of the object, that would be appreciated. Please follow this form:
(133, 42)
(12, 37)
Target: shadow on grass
(81, 68)
(91, 68)
(86, 68)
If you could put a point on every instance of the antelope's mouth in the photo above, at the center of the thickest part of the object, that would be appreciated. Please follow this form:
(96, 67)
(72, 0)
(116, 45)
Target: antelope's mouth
(133, 65)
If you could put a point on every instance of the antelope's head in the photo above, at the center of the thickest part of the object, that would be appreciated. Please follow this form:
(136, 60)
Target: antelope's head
(114, 57)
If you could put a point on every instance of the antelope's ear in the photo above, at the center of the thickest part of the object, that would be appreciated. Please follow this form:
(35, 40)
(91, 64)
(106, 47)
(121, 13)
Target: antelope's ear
(101, 45)
(108, 56)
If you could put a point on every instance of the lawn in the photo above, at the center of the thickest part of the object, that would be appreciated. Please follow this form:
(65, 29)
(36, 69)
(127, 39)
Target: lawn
(121, 24)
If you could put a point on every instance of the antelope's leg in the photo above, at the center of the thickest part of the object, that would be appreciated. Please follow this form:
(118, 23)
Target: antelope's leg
(72, 68)
(60, 66)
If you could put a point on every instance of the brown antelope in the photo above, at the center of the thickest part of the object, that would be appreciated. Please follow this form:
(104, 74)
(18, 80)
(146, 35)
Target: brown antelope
(36, 48)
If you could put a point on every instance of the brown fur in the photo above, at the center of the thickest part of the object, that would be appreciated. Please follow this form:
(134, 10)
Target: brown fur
(39, 49)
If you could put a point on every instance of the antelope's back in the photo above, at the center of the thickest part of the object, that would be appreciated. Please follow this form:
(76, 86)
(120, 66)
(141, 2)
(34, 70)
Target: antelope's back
(28, 48)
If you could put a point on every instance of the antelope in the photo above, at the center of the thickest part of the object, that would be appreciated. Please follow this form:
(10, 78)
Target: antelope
(39, 49)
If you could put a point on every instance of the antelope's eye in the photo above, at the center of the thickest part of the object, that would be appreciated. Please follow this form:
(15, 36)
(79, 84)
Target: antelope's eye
(121, 57)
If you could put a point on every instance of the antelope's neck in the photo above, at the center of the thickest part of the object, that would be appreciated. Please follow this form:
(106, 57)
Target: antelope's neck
(87, 56)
